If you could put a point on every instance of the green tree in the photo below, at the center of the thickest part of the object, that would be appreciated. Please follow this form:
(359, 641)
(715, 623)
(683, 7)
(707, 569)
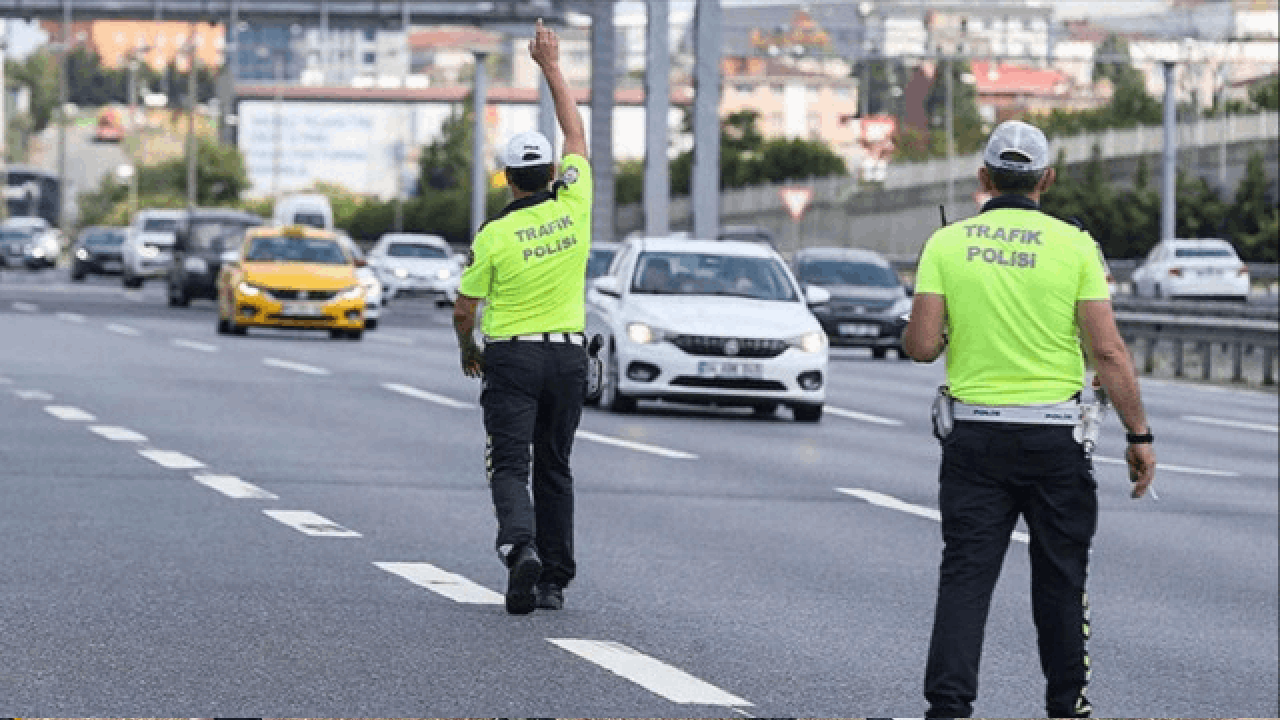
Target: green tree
(444, 203)
(1265, 93)
(39, 73)
(1253, 215)
(967, 120)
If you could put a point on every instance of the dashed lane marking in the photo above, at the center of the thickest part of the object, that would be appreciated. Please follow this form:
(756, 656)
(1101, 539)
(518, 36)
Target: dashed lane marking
(5, 380)
(234, 487)
(413, 392)
(637, 446)
(26, 307)
(395, 339)
(118, 434)
(33, 395)
(441, 582)
(69, 413)
(892, 503)
(1171, 468)
(123, 330)
(171, 459)
(1260, 427)
(294, 366)
(194, 345)
(71, 317)
(309, 523)
(649, 673)
(861, 416)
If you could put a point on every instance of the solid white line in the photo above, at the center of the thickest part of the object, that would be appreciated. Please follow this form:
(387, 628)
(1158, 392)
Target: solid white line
(309, 523)
(649, 673)
(193, 345)
(864, 417)
(296, 367)
(1231, 423)
(414, 392)
(123, 330)
(637, 446)
(234, 487)
(171, 459)
(893, 503)
(397, 339)
(69, 413)
(1172, 468)
(71, 317)
(26, 307)
(441, 582)
(118, 434)
(33, 394)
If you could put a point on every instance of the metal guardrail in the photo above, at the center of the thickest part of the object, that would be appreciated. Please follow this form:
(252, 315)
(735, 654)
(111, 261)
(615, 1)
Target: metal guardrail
(1240, 335)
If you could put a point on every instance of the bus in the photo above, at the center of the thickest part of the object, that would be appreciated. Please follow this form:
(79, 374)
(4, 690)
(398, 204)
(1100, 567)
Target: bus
(32, 192)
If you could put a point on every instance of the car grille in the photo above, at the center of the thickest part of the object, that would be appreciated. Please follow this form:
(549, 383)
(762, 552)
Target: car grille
(850, 307)
(322, 295)
(715, 346)
(728, 383)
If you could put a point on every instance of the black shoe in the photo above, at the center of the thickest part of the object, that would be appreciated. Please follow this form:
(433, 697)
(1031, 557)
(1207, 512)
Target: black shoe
(525, 567)
(550, 596)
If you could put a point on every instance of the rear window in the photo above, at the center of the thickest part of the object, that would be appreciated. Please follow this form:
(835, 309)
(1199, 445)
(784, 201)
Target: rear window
(416, 250)
(159, 225)
(1204, 252)
(315, 220)
(296, 249)
(840, 272)
(105, 238)
(216, 235)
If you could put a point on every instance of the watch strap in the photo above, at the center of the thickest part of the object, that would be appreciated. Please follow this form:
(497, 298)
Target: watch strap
(1140, 439)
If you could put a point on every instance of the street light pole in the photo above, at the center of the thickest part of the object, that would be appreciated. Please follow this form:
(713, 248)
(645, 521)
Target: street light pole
(949, 66)
(62, 114)
(279, 130)
(192, 150)
(478, 185)
(1168, 206)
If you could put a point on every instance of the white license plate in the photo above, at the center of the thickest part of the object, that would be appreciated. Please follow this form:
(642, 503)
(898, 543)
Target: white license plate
(730, 369)
(111, 266)
(859, 330)
(302, 309)
(1207, 272)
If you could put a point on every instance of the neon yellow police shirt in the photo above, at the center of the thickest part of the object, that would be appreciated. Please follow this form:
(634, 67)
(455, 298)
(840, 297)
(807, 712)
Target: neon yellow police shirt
(1011, 278)
(530, 262)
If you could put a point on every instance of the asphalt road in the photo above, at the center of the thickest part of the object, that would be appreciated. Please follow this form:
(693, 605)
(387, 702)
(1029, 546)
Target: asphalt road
(152, 567)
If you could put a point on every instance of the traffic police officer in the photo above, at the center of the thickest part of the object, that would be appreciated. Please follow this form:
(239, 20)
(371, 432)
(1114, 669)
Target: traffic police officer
(1012, 291)
(529, 264)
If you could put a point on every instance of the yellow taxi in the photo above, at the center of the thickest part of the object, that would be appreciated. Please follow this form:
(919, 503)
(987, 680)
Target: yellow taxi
(294, 277)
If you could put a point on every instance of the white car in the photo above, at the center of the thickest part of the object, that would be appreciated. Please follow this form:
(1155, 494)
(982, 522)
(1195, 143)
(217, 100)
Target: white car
(45, 241)
(373, 291)
(1203, 269)
(148, 250)
(417, 265)
(708, 322)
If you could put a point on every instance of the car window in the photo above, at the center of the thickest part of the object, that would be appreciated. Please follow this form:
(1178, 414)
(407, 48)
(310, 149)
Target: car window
(160, 225)
(216, 235)
(844, 272)
(675, 273)
(315, 220)
(104, 238)
(1204, 252)
(599, 261)
(14, 236)
(322, 251)
(416, 250)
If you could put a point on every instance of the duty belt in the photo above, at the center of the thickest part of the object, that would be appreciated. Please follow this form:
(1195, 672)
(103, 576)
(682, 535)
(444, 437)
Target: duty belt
(556, 337)
(1063, 413)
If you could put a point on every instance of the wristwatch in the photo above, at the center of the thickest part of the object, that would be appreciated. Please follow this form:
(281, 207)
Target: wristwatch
(1145, 438)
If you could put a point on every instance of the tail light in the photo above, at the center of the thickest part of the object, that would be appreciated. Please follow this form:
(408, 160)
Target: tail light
(1243, 271)
(1175, 272)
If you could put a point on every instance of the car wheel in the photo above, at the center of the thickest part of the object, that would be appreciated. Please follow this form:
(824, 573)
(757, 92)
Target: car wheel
(764, 410)
(337, 334)
(879, 353)
(178, 297)
(611, 398)
(224, 327)
(807, 413)
(355, 335)
(131, 282)
(77, 276)
(371, 324)
(902, 354)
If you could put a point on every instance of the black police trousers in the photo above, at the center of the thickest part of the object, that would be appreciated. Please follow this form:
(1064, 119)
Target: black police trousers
(532, 399)
(991, 474)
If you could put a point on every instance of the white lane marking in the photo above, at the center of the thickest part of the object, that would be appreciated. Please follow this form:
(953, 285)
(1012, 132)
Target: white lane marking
(294, 366)
(33, 395)
(171, 459)
(193, 345)
(864, 417)
(649, 673)
(71, 317)
(397, 339)
(637, 446)
(123, 330)
(118, 434)
(134, 295)
(455, 587)
(1172, 468)
(5, 381)
(309, 523)
(1261, 427)
(414, 392)
(26, 307)
(893, 503)
(234, 487)
(69, 413)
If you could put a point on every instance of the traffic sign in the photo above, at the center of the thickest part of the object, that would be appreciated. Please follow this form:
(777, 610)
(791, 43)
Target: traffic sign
(796, 199)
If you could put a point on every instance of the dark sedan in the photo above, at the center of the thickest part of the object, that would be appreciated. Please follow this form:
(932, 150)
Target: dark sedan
(868, 300)
(15, 245)
(98, 251)
(209, 238)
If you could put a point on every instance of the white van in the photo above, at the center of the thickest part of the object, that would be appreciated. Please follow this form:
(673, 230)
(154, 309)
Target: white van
(310, 210)
(148, 250)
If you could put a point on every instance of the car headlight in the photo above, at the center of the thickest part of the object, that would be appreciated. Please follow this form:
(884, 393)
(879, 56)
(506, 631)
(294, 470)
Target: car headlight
(444, 274)
(196, 265)
(814, 342)
(372, 288)
(901, 307)
(642, 334)
(82, 254)
(37, 251)
(149, 251)
(400, 273)
(355, 292)
(247, 290)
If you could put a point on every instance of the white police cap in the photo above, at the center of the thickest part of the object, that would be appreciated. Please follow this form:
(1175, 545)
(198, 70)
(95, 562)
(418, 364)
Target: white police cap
(527, 149)
(1018, 147)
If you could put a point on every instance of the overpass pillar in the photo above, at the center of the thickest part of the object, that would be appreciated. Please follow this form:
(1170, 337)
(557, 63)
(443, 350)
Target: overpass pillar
(603, 40)
(706, 120)
(657, 172)
(1169, 185)
(479, 179)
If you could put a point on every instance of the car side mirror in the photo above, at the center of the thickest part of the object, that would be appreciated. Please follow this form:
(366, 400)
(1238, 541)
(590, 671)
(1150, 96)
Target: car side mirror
(816, 295)
(910, 290)
(607, 285)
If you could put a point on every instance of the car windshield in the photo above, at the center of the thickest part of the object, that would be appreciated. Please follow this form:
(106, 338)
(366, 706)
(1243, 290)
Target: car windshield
(105, 238)
(680, 273)
(160, 225)
(216, 235)
(14, 235)
(315, 220)
(844, 272)
(1203, 252)
(322, 251)
(599, 260)
(416, 250)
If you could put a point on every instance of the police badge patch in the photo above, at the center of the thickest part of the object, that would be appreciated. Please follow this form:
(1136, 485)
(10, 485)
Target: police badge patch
(570, 176)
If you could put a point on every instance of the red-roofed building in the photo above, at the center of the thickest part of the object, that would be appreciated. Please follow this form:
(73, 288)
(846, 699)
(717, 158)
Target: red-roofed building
(1006, 91)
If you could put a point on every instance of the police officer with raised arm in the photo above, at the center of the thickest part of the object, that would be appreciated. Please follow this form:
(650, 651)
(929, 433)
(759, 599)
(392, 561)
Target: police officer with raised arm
(529, 265)
(1008, 294)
